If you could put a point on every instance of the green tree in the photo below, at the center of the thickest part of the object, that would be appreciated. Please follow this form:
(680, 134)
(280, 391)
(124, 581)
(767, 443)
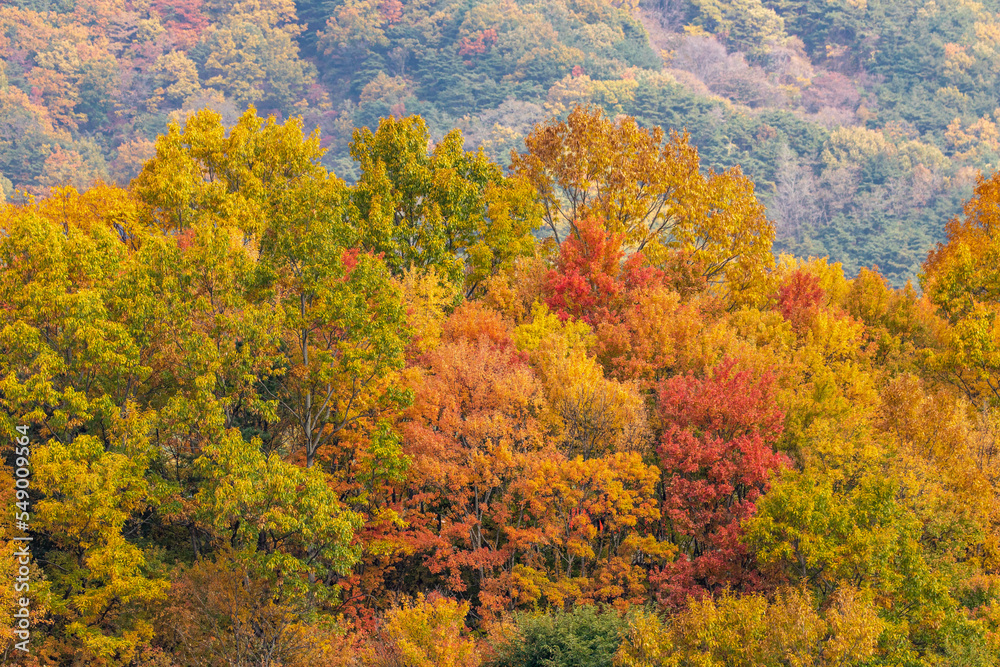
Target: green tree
(582, 637)
(442, 206)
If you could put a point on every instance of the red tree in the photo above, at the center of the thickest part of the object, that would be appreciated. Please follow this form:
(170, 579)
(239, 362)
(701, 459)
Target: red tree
(799, 298)
(184, 19)
(481, 44)
(592, 277)
(717, 453)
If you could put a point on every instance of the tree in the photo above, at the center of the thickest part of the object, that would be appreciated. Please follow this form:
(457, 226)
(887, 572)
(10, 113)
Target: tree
(204, 171)
(231, 611)
(595, 523)
(340, 327)
(273, 508)
(441, 207)
(177, 76)
(592, 280)
(649, 190)
(429, 633)
(717, 453)
(799, 298)
(593, 415)
(642, 329)
(750, 631)
(960, 279)
(583, 636)
(103, 585)
(252, 56)
(473, 426)
(749, 26)
(356, 26)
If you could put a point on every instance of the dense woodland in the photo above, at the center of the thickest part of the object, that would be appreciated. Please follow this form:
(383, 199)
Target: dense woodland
(448, 333)
(569, 413)
(862, 123)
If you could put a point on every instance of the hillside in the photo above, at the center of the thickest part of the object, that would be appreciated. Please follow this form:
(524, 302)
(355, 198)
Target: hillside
(862, 125)
(906, 94)
(465, 333)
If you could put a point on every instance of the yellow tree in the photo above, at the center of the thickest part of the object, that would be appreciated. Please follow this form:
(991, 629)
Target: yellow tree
(339, 323)
(754, 631)
(595, 520)
(208, 171)
(649, 188)
(962, 281)
(429, 632)
(74, 352)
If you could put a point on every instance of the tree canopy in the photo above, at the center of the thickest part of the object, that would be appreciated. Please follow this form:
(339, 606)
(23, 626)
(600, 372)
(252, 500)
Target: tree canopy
(446, 414)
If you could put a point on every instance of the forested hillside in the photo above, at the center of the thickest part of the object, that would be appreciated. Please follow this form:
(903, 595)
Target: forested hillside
(572, 413)
(862, 124)
(472, 333)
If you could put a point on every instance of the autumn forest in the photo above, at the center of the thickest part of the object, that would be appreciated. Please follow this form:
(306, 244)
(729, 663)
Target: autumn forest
(493, 334)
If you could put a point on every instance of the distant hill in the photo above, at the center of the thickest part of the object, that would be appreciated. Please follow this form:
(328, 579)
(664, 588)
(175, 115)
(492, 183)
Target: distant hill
(863, 124)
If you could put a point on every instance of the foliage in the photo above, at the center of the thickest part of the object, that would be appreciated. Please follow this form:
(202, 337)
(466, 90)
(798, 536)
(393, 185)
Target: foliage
(582, 636)
(649, 191)
(860, 127)
(960, 280)
(276, 418)
(753, 630)
(444, 209)
(429, 634)
(716, 455)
